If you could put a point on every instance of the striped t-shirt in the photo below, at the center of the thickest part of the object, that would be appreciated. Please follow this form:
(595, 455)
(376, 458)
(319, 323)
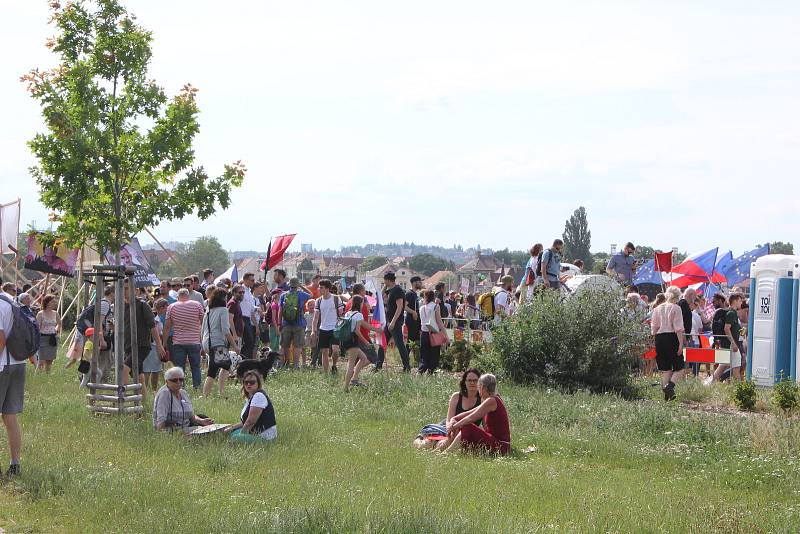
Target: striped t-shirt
(187, 318)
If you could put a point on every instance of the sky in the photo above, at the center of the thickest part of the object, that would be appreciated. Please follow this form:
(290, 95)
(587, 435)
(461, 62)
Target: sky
(674, 123)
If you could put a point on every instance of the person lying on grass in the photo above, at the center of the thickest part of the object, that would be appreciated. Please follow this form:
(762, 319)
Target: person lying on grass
(463, 400)
(172, 408)
(495, 437)
(258, 415)
(354, 346)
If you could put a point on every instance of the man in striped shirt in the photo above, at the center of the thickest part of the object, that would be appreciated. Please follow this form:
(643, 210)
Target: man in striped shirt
(185, 319)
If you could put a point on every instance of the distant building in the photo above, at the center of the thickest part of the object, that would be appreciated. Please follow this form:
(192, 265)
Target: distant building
(306, 247)
(482, 270)
(403, 275)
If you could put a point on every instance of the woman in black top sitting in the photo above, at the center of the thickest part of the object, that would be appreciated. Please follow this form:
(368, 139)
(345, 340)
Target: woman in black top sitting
(463, 400)
(258, 414)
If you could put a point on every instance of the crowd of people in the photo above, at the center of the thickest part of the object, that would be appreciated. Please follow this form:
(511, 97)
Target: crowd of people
(209, 325)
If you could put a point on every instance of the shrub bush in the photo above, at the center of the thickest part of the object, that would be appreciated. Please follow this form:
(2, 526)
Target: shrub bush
(784, 396)
(574, 343)
(744, 395)
(458, 355)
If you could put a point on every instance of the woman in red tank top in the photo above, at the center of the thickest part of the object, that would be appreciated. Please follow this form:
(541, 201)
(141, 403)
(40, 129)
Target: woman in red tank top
(495, 436)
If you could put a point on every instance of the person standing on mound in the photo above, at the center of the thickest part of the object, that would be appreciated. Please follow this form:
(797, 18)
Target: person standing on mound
(495, 436)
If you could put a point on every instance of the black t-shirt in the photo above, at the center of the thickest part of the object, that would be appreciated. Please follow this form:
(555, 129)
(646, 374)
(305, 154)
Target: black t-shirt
(391, 302)
(145, 321)
(412, 301)
(442, 307)
(686, 311)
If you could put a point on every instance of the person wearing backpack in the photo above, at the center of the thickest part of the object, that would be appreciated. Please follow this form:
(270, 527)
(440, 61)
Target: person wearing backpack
(354, 346)
(327, 310)
(533, 274)
(550, 265)
(293, 323)
(12, 375)
(726, 321)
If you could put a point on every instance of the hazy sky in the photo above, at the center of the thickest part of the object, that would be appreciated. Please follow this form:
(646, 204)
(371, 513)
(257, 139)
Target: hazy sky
(673, 123)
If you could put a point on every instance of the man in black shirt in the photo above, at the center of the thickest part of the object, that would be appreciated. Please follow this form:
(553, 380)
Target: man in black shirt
(394, 299)
(412, 310)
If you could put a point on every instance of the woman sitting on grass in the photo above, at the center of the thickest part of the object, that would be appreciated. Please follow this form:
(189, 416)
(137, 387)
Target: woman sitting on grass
(463, 400)
(356, 359)
(258, 415)
(495, 437)
(172, 408)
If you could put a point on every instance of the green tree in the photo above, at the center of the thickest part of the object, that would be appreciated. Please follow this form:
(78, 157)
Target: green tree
(373, 262)
(779, 247)
(578, 238)
(429, 264)
(204, 252)
(114, 146)
(516, 257)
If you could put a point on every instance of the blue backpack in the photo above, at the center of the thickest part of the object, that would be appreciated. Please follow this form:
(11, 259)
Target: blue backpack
(23, 340)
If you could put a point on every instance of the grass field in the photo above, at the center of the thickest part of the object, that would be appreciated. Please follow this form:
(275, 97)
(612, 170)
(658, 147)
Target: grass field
(343, 463)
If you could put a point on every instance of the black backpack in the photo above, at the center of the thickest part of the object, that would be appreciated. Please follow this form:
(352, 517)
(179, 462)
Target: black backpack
(718, 322)
(23, 340)
(85, 319)
(539, 264)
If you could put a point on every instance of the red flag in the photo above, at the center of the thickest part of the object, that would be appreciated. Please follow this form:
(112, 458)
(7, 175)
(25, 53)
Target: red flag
(277, 250)
(663, 262)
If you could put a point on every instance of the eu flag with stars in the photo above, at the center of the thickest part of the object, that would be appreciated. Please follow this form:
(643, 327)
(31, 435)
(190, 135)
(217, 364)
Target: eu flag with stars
(646, 274)
(739, 268)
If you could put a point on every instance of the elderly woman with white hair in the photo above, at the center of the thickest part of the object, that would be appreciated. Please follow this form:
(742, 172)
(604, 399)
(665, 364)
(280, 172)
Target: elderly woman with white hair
(495, 436)
(666, 325)
(172, 408)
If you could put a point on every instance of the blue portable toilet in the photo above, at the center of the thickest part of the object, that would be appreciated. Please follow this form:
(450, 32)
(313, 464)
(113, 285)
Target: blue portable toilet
(772, 328)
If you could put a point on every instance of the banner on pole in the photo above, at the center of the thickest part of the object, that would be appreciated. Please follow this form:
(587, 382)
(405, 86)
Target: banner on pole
(131, 255)
(57, 259)
(9, 226)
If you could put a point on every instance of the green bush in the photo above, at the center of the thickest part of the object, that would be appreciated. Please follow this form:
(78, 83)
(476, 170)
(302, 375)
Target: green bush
(574, 343)
(488, 361)
(458, 355)
(785, 395)
(744, 395)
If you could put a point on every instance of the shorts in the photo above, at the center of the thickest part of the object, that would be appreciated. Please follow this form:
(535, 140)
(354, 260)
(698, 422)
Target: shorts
(143, 352)
(348, 344)
(12, 388)
(292, 334)
(213, 367)
(667, 356)
(326, 339)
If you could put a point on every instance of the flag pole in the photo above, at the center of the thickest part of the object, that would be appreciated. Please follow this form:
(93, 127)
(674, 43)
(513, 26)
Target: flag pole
(266, 260)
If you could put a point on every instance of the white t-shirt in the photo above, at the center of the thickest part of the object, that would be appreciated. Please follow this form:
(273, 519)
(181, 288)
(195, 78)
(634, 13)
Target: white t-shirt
(6, 322)
(328, 313)
(355, 319)
(259, 400)
(697, 324)
(501, 301)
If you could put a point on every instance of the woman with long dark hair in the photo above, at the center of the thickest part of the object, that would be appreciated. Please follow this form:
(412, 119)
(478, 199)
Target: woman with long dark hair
(431, 320)
(352, 347)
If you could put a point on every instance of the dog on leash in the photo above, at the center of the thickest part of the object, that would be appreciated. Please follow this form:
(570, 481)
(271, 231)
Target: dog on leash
(263, 365)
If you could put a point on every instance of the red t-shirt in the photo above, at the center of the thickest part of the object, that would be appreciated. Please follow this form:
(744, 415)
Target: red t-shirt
(364, 311)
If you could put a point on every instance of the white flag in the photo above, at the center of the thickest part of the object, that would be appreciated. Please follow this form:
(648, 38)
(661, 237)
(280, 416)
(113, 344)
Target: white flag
(9, 226)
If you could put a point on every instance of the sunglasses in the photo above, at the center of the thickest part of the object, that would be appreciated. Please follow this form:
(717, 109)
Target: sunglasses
(175, 380)
(250, 383)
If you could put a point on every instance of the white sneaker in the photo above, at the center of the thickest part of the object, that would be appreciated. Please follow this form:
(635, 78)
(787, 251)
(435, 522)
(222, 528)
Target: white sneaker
(708, 381)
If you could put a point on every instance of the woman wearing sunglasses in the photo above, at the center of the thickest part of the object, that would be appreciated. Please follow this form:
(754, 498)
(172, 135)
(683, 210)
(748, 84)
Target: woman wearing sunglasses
(172, 408)
(258, 415)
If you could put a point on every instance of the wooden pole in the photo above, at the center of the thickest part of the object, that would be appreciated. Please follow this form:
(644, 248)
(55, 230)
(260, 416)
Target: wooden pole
(134, 328)
(98, 332)
(173, 258)
(80, 277)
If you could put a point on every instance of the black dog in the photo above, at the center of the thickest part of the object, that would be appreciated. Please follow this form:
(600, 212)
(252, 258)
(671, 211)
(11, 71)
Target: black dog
(262, 365)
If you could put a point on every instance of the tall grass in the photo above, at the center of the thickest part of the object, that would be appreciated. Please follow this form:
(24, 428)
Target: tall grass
(343, 463)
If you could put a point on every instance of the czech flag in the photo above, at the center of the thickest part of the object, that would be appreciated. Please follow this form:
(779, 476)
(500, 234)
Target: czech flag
(700, 264)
